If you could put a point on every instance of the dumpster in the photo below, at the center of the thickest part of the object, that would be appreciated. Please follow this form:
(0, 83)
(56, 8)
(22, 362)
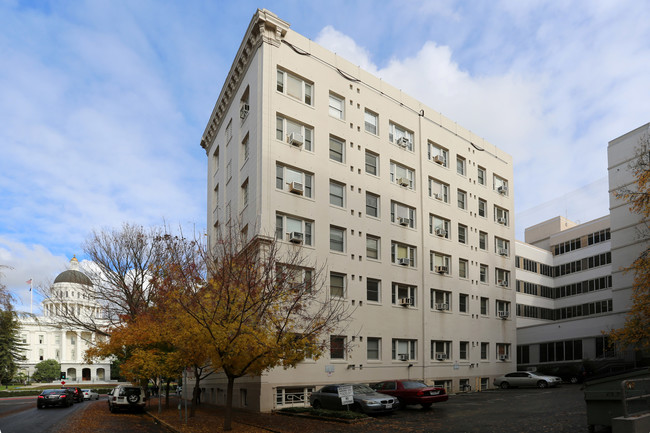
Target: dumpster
(605, 397)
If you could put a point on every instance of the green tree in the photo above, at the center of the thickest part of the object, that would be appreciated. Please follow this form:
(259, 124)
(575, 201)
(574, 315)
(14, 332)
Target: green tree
(47, 371)
(11, 346)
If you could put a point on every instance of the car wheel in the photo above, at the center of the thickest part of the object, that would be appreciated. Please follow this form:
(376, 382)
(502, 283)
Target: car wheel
(542, 384)
(505, 385)
(111, 409)
(316, 404)
(38, 406)
(426, 405)
(573, 379)
(356, 407)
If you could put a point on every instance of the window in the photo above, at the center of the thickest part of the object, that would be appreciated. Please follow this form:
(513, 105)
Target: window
(500, 185)
(402, 214)
(438, 190)
(501, 246)
(440, 300)
(502, 277)
(337, 104)
(440, 350)
(295, 87)
(372, 205)
(337, 285)
(337, 192)
(483, 273)
(481, 176)
(293, 180)
(485, 306)
(462, 199)
(229, 171)
(244, 149)
(482, 208)
(372, 247)
(337, 347)
(485, 351)
(462, 233)
(284, 128)
(373, 348)
(371, 122)
(439, 226)
(337, 239)
(293, 229)
(503, 351)
(401, 175)
(482, 241)
(440, 263)
(372, 163)
(337, 149)
(463, 303)
(41, 339)
(404, 350)
(400, 136)
(244, 193)
(229, 131)
(502, 308)
(463, 352)
(462, 268)
(460, 165)
(402, 254)
(437, 154)
(373, 290)
(501, 215)
(400, 292)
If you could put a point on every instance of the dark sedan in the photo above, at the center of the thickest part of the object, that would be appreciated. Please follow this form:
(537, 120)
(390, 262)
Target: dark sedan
(55, 397)
(412, 392)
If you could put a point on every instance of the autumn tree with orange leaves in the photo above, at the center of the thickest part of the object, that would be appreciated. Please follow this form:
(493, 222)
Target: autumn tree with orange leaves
(636, 331)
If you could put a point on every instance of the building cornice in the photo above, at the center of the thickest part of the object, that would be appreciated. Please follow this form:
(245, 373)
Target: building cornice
(265, 27)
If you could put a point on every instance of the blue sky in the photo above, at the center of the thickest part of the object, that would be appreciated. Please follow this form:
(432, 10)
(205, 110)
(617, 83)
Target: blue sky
(103, 103)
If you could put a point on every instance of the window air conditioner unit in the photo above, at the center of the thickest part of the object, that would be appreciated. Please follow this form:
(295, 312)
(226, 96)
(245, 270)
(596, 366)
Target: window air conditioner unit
(503, 314)
(441, 232)
(441, 269)
(402, 181)
(441, 356)
(502, 283)
(501, 220)
(404, 261)
(503, 252)
(296, 188)
(295, 237)
(443, 306)
(403, 142)
(403, 221)
(502, 189)
(437, 196)
(503, 357)
(296, 139)
(243, 111)
(403, 357)
(438, 159)
(405, 302)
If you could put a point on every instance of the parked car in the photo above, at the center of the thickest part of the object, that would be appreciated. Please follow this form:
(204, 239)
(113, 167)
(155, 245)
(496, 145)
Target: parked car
(78, 394)
(365, 399)
(90, 394)
(411, 392)
(125, 397)
(55, 397)
(526, 378)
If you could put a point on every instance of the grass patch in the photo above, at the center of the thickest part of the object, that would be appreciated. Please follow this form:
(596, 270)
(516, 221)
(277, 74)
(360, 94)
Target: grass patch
(325, 413)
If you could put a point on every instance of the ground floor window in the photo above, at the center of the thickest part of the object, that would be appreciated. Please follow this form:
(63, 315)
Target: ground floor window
(292, 396)
(464, 385)
(485, 383)
(446, 384)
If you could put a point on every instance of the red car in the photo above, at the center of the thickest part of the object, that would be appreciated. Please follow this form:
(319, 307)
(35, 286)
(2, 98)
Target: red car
(411, 392)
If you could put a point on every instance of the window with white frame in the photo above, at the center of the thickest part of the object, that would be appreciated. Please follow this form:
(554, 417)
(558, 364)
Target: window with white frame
(461, 165)
(439, 226)
(438, 154)
(400, 136)
(483, 273)
(244, 149)
(439, 262)
(462, 199)
(371, 121)
(402, 214)
(503, 351)
(463, 351)
(401, 292)
(337, 105)
(372, 205)
(502, 308)
(483, 241)
(485, 306)
(290, 131)
(440, 350)
(481, 175)
(402, 175)
(373, 290)
(485, 350)
(463, 268)
(402, 254)
(373, 348)
(337, 149)
(337, 285)
(372, 163)
(372, 247)
(228, 132)
(500, 185)
(293, 180)
(229, 171)
(293, 229)
(337, 239)
(482, 208)
(216, 159)
(501, 246)
(294, 86)
(440, 300)
(438, 190)
(501, 215)
(244, 194)
(337, 193)
(404, 350)
(463, 302)
(296, 277)
(462, 233)
(337, 347)
(502, 277)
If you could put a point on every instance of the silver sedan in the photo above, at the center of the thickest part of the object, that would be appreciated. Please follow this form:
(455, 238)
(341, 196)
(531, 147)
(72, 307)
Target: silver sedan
(90, 394)
(526, 378)
(365, 399)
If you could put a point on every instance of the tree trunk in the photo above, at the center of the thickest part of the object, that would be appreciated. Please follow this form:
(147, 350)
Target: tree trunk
(196, 392)
(227, 420)
(169, 380)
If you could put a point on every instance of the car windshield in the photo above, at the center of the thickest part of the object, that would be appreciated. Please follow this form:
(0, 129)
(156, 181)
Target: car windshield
(413, 385)
(362, 389)
(52, 391)
(85, 390)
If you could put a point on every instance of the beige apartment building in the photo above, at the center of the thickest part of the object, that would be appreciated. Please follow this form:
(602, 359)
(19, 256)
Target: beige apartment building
(411, 214)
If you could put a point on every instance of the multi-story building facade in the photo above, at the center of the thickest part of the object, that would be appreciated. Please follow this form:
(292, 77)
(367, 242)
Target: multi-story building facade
(411, 214)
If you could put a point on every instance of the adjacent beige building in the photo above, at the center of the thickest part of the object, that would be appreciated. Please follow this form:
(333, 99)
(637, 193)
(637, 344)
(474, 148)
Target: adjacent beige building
(411, 214)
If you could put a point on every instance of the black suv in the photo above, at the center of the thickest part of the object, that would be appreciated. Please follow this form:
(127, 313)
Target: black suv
(78, 393)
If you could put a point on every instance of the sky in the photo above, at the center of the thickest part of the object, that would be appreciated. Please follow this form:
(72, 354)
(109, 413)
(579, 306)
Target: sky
(103, 103)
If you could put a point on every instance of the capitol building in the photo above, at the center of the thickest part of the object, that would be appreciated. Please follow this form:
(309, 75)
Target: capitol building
(49, 337)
